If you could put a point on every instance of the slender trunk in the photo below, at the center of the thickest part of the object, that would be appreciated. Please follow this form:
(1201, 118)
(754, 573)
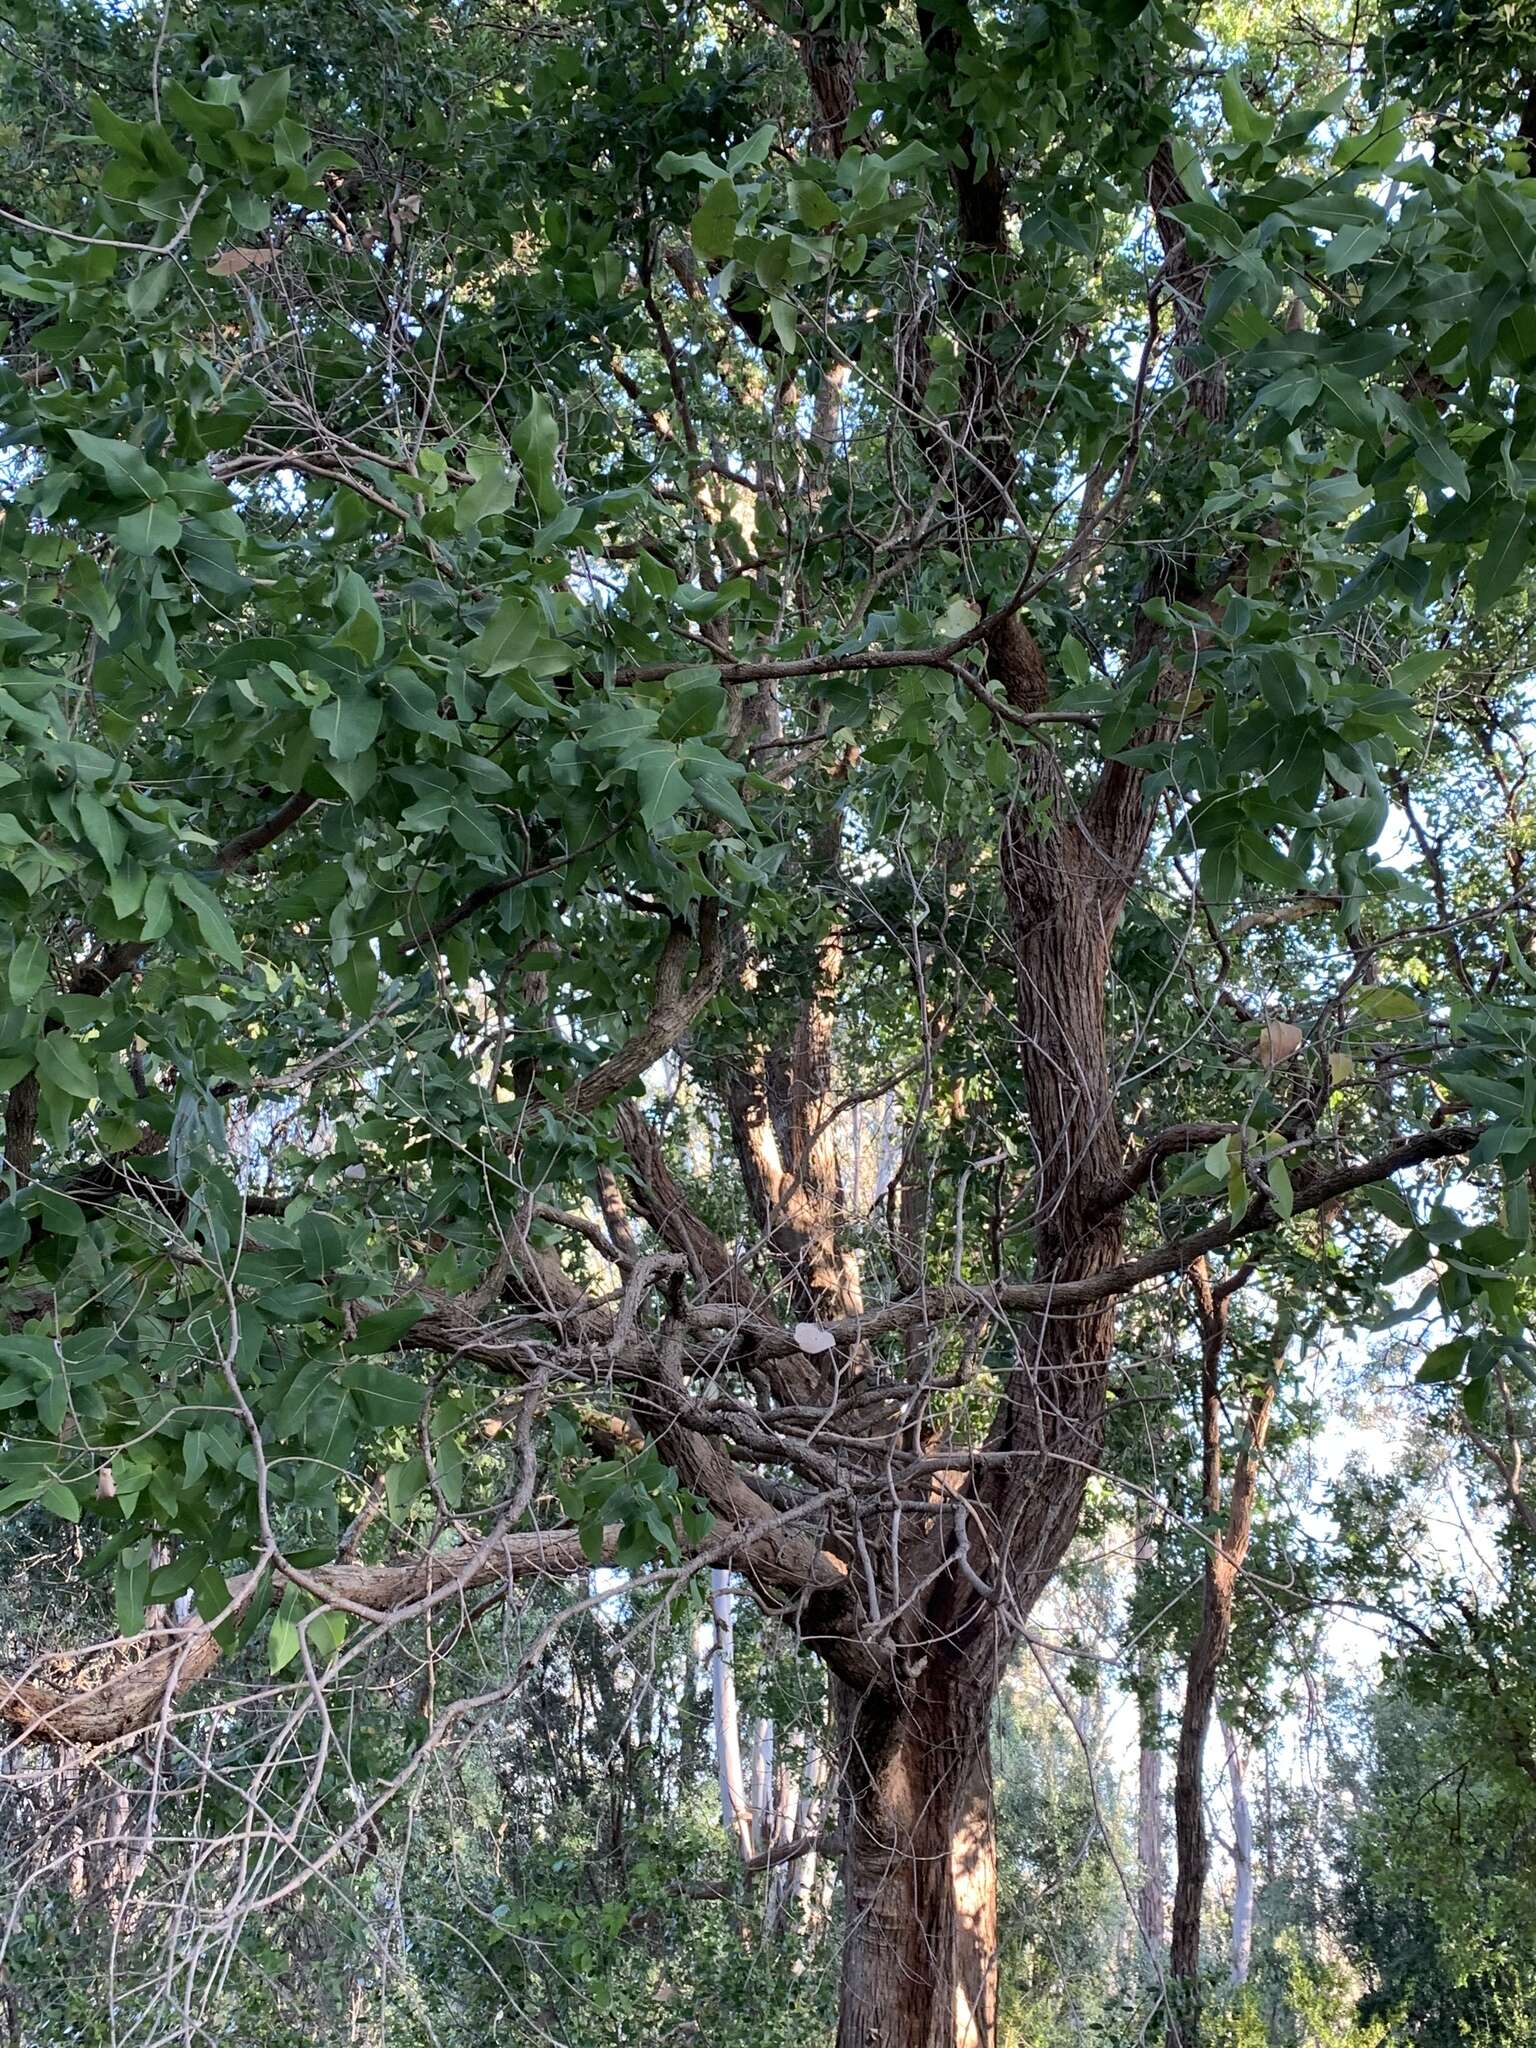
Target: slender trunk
(787, 1775)
(813, 1807)
(735, 1806)
(1151, 1896)
(919, 1873)
(1242, 1857)
(1224, 1561)
(763, 1829)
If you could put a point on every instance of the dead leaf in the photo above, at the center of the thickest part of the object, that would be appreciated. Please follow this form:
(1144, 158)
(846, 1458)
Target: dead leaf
(1278, 1042)
(230, 262)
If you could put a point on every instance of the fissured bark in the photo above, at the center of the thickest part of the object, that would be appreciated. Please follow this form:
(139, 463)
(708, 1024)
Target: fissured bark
(920, 1871)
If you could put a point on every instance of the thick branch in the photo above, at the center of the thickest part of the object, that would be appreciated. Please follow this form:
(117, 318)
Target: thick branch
(674, 1010)
(136, 1698)
(939, 1304)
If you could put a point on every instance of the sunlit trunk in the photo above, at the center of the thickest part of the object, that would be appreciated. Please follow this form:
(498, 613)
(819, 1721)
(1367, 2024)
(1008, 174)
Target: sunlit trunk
(735, 1806)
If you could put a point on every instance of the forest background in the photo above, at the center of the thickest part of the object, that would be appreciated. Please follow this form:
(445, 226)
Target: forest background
(766, 1023)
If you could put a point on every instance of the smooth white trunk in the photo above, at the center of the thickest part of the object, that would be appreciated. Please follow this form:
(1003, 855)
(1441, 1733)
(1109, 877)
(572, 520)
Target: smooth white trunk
(803, 1895)
(764, 1831)
(735, 1806)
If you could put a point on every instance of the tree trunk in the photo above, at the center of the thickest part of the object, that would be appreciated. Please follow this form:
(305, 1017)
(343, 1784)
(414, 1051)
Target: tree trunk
(1151, 1898)
(1242, 1857)
(1224, 1562)
(735, 1805)
(919, 1966)
(1152, 1894)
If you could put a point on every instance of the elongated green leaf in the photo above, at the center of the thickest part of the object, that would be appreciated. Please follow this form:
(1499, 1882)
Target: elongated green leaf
(1505, 556)
(125, 467)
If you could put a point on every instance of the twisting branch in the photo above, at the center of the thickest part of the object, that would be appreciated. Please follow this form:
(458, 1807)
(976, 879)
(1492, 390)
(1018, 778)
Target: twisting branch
(674, 1009)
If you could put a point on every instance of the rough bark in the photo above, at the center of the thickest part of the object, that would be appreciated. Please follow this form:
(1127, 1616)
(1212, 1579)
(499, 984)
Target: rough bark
(919, 1874)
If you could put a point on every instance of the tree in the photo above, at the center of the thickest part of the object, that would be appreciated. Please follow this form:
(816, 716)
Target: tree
(868, 557)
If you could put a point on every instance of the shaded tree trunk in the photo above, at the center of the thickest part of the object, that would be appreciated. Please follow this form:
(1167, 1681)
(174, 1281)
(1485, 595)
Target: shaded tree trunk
(1151, 1896)
(1242, 1857)
(1224, 1562)
(919, 1967)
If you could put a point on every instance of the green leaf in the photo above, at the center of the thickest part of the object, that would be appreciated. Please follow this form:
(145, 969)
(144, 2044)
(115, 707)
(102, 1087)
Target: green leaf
(151, 528)
(1280, 1191)
(536, 438)
(1217, 229)
(517, 637)
(125, 468)
(714, 224)
(210, 1596)
(475, 828)
(1218, 1159)
(362, 629)
(1387, 1006)
(347, 723)
(748, 155)
(486, 498)
(384, 1397)
(781, 313)
(130, 1585)
(695, 707)
(28, 970)
(1505, 556)
(1444, 1362)
(814, 205)
(125, 137)
(103, 828)
(1354, 244)
(1244, 119)
(263, 100)
(59, 1500)
(216, 930)
(64, 1066)
(144, 291)
(358, 979)
(718, 794)
(1507, 228)
(383, 1330)
(1440, 460)
(282, 1642)
(663, 786)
